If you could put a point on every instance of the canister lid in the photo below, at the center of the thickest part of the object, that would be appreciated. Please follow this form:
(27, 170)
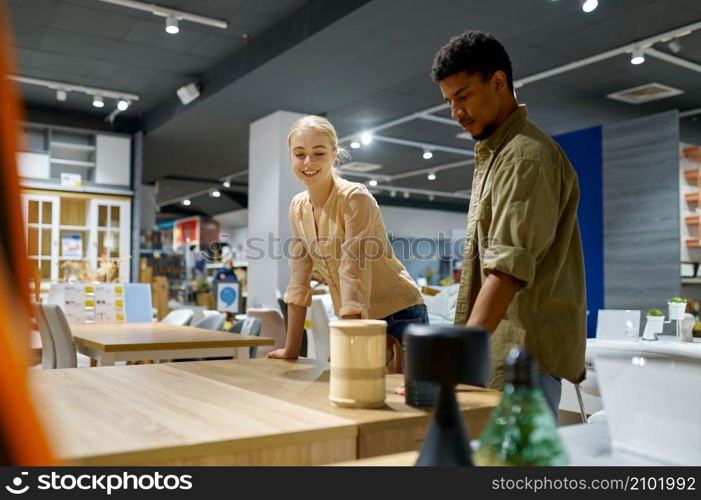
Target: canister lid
(359, 326)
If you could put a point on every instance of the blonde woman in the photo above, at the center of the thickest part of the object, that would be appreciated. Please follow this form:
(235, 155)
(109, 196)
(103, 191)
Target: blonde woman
(337, 227)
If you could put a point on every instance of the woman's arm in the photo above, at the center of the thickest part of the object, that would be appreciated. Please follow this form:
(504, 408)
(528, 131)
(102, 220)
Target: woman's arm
(295, 327)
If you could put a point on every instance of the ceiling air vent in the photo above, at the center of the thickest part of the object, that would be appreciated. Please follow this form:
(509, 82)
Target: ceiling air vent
(357, 166)
(645, 93)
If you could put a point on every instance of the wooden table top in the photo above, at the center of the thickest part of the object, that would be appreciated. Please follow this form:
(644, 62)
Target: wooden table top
(151, 413)
(305, 382)
(112, 337)
(407, 459)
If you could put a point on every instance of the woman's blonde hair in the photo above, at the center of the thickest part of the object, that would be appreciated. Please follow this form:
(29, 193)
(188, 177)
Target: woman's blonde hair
(322, 125)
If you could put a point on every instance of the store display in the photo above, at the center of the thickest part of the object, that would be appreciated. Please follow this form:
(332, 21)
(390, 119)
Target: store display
(522, 429)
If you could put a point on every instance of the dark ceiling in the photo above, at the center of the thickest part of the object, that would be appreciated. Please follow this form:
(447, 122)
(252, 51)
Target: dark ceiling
(359, 62)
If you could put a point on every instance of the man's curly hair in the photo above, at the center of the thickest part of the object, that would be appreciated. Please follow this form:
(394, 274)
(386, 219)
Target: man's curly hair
(472, 52)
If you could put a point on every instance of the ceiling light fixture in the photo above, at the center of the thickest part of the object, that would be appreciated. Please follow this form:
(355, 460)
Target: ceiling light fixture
(61, 95)
(431, 176)
(226, 183)
(406, 194)
(62, 88)
(427, 154)
(172, 25)
(355, 144)
(97, 101)
(188, 93)
(372, 182)
(178, 15)
(431, 197)
(590, 5)
(187, 202)
(216, 193)
(366, 138)
(675, 45)
(392, 194)
(638, 57)
(122, 104)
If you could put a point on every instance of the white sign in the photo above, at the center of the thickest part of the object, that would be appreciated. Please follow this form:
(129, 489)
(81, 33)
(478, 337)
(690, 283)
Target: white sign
(71, 180)
(228, 295)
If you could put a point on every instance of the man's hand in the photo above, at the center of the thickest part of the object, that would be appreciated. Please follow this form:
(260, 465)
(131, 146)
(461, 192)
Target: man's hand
(492, 300)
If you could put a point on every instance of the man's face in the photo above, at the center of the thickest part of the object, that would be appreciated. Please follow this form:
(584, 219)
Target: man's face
(474, 102)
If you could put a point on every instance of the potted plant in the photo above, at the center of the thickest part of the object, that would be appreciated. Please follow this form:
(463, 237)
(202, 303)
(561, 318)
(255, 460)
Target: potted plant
(677, 308)
(654, 325)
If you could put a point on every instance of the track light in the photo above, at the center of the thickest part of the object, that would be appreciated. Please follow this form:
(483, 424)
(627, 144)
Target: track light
(431, 197)
(427, 154)
(431, 176)
(172, 25)
(226, 183)
(61, 95)
(187, 202)
(590, 5)
(392, 194)
(366, 138)
(675, 45)
(406, 194)
(372, 182)
(216, 193)
(355, 145)
(122, 105)
(188, 93)
(638, 57)
(97, 101)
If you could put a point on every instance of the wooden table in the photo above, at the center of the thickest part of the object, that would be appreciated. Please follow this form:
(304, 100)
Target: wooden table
(159, 415)
(394, 428)
(110, 342)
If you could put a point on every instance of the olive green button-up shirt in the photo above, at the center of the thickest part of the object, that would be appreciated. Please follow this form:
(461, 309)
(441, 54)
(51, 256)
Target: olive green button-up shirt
(522, 221)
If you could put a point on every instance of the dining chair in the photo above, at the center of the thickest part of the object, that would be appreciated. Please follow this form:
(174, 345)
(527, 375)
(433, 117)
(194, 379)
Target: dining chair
(48, 351)
(272, 325)
(249, 326)
(179, 317)
(212, 320)
(66, 356)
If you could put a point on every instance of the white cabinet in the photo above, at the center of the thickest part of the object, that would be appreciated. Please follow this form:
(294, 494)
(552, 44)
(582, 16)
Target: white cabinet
(65, 227)
(113, 159)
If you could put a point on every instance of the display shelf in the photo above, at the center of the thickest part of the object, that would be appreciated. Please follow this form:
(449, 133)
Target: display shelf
(691, 174)
(691, 219)
(73, 163)
(693, 243)
(72, 147)
(691, 281)
(691, 197)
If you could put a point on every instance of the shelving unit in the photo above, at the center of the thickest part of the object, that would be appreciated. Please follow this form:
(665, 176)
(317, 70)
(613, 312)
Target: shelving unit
(690, 213)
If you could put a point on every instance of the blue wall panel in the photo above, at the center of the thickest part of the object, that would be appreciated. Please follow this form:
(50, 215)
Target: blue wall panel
(584, 148)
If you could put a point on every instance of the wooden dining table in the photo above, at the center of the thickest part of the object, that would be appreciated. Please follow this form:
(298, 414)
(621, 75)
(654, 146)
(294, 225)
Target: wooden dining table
(110, 342)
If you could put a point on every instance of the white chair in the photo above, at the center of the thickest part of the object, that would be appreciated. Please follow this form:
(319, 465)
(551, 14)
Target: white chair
(212, 320)
(180, 317)
(66, 356)
(48, 351)
(318, 346)
(248, 326)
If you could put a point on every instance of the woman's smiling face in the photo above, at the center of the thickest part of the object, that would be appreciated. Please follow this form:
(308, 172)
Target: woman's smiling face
(312, 156)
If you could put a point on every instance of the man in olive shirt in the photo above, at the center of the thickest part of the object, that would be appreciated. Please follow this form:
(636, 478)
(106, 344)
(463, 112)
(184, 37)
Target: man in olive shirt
(523, 272)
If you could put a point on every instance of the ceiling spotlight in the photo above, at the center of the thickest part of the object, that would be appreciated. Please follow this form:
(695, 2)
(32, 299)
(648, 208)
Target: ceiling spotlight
(427, 154)
(355, 144)
(97, 101)
(122, 105)
(392, 194)
(61, 95)
(590, 5)
(675, 45)
(216, 194)
(372, 182)
(638, 57)
(431, 176)
(406, 194)
(188, 93)
(172, 25)
(187, 202)
(226, 183)
(366, 138)
(431, 197)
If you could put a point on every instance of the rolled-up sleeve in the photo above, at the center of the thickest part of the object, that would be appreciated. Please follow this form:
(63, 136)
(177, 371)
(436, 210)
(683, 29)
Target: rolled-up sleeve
(299, 291)
(525, 200)
(359, 251)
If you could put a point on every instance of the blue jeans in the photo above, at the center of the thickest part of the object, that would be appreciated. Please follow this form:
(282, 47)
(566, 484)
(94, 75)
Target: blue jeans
(397, 322)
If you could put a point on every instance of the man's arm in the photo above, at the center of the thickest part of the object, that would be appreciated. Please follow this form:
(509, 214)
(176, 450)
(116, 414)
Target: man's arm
(492, 300)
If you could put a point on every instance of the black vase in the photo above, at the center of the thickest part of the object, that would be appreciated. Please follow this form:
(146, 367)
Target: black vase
(446, 356)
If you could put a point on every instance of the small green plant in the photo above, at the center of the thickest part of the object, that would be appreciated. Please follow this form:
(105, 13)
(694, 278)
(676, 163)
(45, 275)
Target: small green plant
(677, 300)
(654, 312)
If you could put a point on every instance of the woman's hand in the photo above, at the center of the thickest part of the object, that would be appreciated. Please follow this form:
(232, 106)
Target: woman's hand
(282, 354)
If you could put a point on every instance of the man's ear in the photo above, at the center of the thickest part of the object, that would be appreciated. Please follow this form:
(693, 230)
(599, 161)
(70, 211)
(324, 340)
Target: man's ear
(499, 81)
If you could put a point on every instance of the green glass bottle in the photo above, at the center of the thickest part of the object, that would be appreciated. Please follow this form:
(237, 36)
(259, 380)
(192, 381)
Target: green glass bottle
(521, 430)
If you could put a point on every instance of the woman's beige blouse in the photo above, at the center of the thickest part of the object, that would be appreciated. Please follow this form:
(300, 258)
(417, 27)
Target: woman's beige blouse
(352, 252)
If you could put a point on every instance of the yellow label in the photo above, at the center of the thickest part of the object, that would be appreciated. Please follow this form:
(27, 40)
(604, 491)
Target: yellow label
(89, 303)
(119, 303)
(120, 317)
(119, 290)
(307, 323)
(89, 289)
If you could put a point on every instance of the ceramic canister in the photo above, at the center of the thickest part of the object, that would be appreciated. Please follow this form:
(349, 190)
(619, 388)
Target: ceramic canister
(358, 356)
